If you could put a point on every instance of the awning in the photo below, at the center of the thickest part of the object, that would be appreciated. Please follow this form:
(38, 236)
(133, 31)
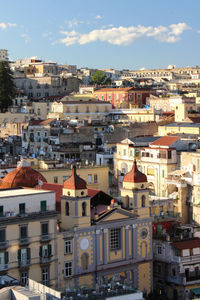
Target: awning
(196, 291)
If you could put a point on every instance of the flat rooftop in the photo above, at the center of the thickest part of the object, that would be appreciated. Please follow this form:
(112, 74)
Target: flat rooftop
(184, 124)
(21, 192)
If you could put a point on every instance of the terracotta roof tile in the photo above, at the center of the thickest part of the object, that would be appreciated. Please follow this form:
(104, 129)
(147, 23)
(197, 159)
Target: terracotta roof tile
(135, 175)
(165, 141)
(22, 177)
(75, 182)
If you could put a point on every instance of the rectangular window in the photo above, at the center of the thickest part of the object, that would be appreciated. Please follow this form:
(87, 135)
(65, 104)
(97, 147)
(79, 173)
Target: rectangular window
(23, 232)
(55, 179)
(68, 246)
(95, 178)
(163, 173)
(45, 228)
(2, 235)
(169, 154)
(43, 205)
(159, 249)
(45, 251)
(45, 275)
(3, 258)
(24, 277)
(115, 238)
(124, 151)
(68, 269)
(89, 178)
(22, 208)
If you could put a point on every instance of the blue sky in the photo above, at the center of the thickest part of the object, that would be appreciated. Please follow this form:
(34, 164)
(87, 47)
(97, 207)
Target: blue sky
(116, 34)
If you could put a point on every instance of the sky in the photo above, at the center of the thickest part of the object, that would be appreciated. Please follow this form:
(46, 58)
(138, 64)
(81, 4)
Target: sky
(119, 34)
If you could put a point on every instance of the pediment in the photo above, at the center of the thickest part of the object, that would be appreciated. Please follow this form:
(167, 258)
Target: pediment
(114, 215)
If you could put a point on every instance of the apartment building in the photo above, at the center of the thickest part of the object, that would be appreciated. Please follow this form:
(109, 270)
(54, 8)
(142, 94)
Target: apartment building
(123, 97)
(83, 109)
(176, 263)
(28, 221)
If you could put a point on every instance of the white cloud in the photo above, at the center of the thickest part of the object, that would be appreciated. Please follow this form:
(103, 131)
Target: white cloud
(26, 38)
(126, 35)
(98, 17)
(3, 26)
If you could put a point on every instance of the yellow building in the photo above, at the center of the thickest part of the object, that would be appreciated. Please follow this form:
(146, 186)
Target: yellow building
(79, 109)
(109, 246)
(28, 228)
(86, 245)
(95, 176)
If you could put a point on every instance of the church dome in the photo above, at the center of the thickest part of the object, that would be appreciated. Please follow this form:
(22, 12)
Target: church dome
(135, 175)
(22, 176)
(74, 182)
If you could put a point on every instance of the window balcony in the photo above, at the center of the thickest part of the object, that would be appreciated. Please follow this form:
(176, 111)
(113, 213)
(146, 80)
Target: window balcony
(44, 260)
(4, 267)
(24, 263)
(24, 241)
(3, 245)
(45, 237)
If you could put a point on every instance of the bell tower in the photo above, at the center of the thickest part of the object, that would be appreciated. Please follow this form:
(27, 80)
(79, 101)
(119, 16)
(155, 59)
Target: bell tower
(75, 203)
(135, 193)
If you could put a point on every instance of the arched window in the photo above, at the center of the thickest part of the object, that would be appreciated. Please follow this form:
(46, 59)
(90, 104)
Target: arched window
(143, 200)
(84, 259)
(67, 209)
(83, 209)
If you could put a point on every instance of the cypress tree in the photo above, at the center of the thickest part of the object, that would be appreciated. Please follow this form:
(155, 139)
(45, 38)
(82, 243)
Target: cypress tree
(7, 87)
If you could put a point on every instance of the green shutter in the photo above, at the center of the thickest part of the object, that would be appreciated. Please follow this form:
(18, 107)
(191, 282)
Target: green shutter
(43, 205)
(28, 253)
(49, 250)
(1, 211)
(19, 255)
(22, 208)
(2, 235)
(6, 257)
(40, 252)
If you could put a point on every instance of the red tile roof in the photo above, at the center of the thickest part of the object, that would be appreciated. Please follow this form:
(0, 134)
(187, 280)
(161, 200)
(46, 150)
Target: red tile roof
(46, 122)
(135, 175)
(165, 141)
(75, 182)
(190, 244)
(93, 192)
(113, 90)
(41, 122)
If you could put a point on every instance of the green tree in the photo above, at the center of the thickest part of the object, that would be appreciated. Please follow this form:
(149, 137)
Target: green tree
(100, 78)
(7, 87)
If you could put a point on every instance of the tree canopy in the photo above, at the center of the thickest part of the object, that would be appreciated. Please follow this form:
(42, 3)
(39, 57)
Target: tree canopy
(100, 78)
(7, 87)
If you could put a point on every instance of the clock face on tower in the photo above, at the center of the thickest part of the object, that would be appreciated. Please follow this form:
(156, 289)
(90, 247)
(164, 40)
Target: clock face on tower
(84, 244)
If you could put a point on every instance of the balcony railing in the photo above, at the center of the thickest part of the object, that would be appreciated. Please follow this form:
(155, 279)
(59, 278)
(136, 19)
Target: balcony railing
(3, 245)
(3, 267)
(45, 237)
(44, 260)
(24, 241)
(24, 263)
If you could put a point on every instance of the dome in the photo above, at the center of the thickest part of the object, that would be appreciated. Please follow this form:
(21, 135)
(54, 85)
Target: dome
(22, 176)
(74, 182)
(135, 175)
